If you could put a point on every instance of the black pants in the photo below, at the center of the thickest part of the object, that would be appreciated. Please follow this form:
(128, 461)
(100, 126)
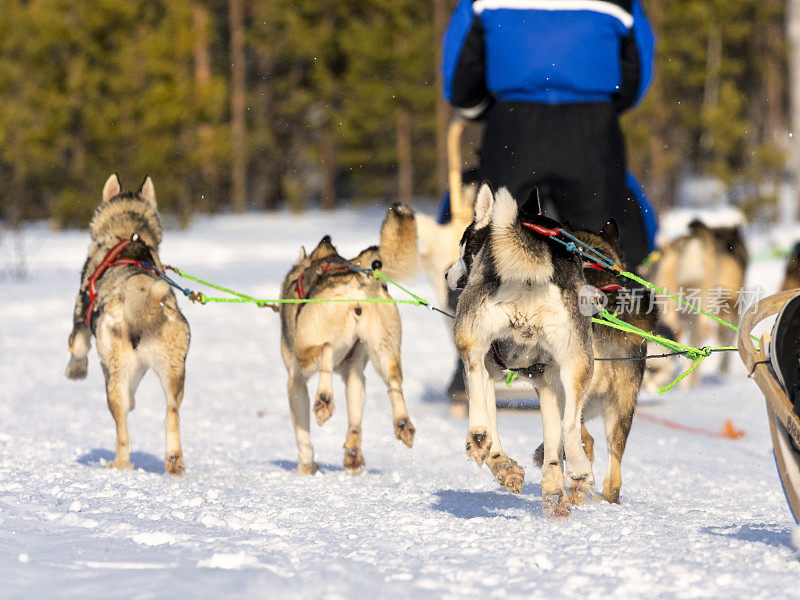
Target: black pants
(575, 153)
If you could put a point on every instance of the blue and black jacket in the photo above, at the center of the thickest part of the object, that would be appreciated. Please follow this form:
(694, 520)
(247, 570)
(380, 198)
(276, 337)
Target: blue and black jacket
(547, 51)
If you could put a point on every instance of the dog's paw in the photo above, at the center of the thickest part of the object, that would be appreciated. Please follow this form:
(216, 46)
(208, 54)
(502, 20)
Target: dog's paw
(478, 444)
(353, 460)
(77, 368)
(610, 493)
(120, 465)
(404, 431)
(556, 505)
(580, 488)
(323, 408)
(174, 466)
(507, 473)
(307, 469)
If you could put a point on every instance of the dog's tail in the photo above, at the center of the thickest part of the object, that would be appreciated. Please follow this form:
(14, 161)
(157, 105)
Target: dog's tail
(143, 300)
(398, 246)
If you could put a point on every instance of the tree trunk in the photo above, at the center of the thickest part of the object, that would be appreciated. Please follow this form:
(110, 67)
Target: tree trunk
(202, 79)
(238, 107)
(405, 155)
(328, 149)
(440, 16)
(793, 31)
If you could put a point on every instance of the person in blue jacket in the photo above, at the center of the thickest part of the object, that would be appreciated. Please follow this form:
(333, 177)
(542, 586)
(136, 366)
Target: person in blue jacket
(550, 78)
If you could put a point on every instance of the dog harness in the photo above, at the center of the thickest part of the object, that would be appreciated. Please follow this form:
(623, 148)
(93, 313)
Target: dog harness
(300, 290)
(111, 260)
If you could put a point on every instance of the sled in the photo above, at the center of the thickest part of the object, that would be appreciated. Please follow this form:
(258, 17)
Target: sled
(784, 423)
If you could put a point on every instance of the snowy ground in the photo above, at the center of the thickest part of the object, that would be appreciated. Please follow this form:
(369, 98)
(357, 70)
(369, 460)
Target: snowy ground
(701, 517)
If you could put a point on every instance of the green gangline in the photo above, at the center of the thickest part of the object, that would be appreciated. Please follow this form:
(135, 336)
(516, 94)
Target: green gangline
(604, 317)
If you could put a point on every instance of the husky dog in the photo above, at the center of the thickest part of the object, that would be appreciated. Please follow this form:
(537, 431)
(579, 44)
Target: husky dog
(791, 275)
(338, 336)
(520, 310)
(133, 314)
(710, 264)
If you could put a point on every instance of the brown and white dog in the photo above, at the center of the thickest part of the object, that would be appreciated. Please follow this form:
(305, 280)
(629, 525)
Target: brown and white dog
(708, 267)
(328, 337)
(133, 314)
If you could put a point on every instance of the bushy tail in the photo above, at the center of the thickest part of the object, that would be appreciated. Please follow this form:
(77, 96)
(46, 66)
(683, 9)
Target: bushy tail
(398, 246)
(143, 298)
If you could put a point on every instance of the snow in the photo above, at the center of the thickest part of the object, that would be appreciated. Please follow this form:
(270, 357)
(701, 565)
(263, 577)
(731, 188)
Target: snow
(701, 517)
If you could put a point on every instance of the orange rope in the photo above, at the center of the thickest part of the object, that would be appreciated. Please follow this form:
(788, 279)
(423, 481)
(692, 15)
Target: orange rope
(729, 432)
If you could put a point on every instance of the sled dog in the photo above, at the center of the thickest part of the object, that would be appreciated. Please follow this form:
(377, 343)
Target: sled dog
(707, 266)
(133, 314)
(520, 310)
(328, 337)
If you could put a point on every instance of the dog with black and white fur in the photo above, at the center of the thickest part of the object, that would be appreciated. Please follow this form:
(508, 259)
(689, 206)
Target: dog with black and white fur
(520, 310)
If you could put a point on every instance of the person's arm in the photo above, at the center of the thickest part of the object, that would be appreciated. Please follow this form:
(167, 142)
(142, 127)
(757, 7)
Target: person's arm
(636, 55)
(463, 63)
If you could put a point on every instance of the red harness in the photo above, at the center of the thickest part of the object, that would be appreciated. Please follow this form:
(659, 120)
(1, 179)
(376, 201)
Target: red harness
(540, 229)
(110, 260)
(610, 287)
(300, 290)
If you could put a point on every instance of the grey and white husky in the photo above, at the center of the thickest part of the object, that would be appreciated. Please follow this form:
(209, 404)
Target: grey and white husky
(133, 314)
(520, 310)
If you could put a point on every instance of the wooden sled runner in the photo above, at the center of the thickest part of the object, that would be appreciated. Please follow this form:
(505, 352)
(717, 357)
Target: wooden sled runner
(784, 423)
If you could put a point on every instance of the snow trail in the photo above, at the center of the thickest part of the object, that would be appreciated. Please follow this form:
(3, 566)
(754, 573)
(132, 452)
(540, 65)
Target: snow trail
(700, 517)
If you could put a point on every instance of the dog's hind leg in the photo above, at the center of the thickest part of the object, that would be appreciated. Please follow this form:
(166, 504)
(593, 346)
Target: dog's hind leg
(479, 439)
(575, 380)
(388, 367)
(299, 409)
(506, 471)
(299, 406)
(122, 376)
(554, 493)
(172, 376)
(80, 340)
(617, 420)
(355, 393)
(323, 404)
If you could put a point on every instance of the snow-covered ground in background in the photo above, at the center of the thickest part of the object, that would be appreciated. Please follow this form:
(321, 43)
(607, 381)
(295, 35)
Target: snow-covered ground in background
(701, 517)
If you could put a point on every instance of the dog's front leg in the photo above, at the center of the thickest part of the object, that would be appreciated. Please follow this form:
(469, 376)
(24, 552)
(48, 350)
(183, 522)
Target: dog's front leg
(479, 440)
(80, 341)
(506, 471)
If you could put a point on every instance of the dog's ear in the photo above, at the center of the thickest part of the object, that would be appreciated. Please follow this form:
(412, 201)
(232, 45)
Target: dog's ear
(696, 226)
(324, 249)
(610, 232)
(534, 200)
(484, 205)
(148, 191)
(303, 254)
(111, 187)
